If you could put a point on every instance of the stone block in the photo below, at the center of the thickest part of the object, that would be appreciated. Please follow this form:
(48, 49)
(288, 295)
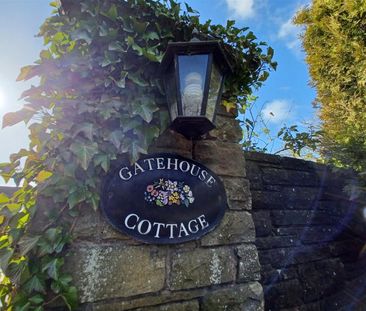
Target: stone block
(286, 218)
(254, 174)
(274, 276)
(280, 176)
(227, 130)
(172, 140)
(321, 278)
(237, 188)
(248, 297)
(283, 295)
(276, 242)
(240, 205)
(235, 227)
(263, 224)
(222, 158)
(249, 268)
(180, 306)
(202, 267)
(112, 271)
(288, 198)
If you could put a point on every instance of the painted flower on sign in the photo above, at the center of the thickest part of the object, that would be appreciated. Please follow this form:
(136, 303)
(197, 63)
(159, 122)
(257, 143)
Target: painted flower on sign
(167, 192)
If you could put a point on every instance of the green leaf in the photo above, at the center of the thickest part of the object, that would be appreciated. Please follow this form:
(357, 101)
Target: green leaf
(112, 13)
(5, 256)
(76, 197)
(84, 153)
(84, 128)
(115, 138)
(146, 110)
(103, 160)
(71, 298)
(43, 175)
(53, 268)
(34, 284)
(81, 34)
(3, 198)
(37, 299)
(26, 243)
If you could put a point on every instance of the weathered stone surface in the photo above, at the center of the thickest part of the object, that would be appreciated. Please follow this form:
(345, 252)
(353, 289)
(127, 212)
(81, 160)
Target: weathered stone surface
(237, 188)
(203, 267)
(102, 272)
(240, 205)
(277, 241)
(283, 295)
(262, 221)
(274, 276)
(173, 140)
(317, 285)
(227, 129)
(279, 176)
(180, 306)
(284, 218)
(249, 268)
(235, 227)
(246, 297)
(287, 198)
(149, 300)
(223, 158)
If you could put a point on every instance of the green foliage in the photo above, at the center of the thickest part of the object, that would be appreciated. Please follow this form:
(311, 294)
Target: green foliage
(335, 44)
(257, 135)
(99, 98)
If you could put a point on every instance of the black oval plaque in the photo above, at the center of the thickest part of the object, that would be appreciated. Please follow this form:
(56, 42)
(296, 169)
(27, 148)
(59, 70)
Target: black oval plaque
(163, 199)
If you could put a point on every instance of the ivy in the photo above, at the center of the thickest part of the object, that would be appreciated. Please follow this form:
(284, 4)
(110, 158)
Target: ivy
(99, 98)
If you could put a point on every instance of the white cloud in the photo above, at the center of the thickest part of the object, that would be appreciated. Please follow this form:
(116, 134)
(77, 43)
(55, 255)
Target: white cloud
(241, 8)
(290, 34)
(277, 111)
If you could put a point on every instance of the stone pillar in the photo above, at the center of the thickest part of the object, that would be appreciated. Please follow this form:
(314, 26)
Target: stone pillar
(218, 272)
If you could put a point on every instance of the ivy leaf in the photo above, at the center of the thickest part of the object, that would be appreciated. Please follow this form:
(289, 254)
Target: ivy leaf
(76, 197)
(112, 13)
(71, 298)
(37, 299)
(27, 73)
(43, 175)
(53, 268)
(103, 160)
(228, 105)
(85, 128)
(34, 284)
(81, 34)
(5, 256)
(146, 110)
(115, 138)
(3, 198)
(26, 243)
(84, 153)
(12, 118)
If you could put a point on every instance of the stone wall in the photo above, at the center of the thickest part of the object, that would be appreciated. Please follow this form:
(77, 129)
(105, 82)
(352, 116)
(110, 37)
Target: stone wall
(218, 272)
(310, 235)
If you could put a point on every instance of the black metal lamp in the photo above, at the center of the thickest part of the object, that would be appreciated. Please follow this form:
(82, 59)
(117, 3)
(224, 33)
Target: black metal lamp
(194, 78)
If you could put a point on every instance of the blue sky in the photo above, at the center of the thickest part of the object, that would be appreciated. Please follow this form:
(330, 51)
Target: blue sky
(286, 93)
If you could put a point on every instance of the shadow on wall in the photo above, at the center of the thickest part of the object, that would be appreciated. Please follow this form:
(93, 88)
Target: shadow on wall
(309, 234)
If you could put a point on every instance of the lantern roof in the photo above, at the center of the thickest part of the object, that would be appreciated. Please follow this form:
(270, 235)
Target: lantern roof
(194, 47)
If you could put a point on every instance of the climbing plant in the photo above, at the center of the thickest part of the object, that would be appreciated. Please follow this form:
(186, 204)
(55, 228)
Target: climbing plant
(99, 98)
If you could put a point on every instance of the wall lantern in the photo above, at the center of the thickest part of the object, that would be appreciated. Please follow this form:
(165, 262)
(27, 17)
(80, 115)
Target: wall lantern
(194, 75)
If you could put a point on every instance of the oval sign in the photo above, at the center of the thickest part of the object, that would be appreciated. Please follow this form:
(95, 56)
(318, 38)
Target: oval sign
(163, 199)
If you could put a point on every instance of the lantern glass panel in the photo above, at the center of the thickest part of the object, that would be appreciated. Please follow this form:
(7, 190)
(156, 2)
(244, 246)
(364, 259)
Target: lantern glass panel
(192, 75)
(215, 85)
(171, 92)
